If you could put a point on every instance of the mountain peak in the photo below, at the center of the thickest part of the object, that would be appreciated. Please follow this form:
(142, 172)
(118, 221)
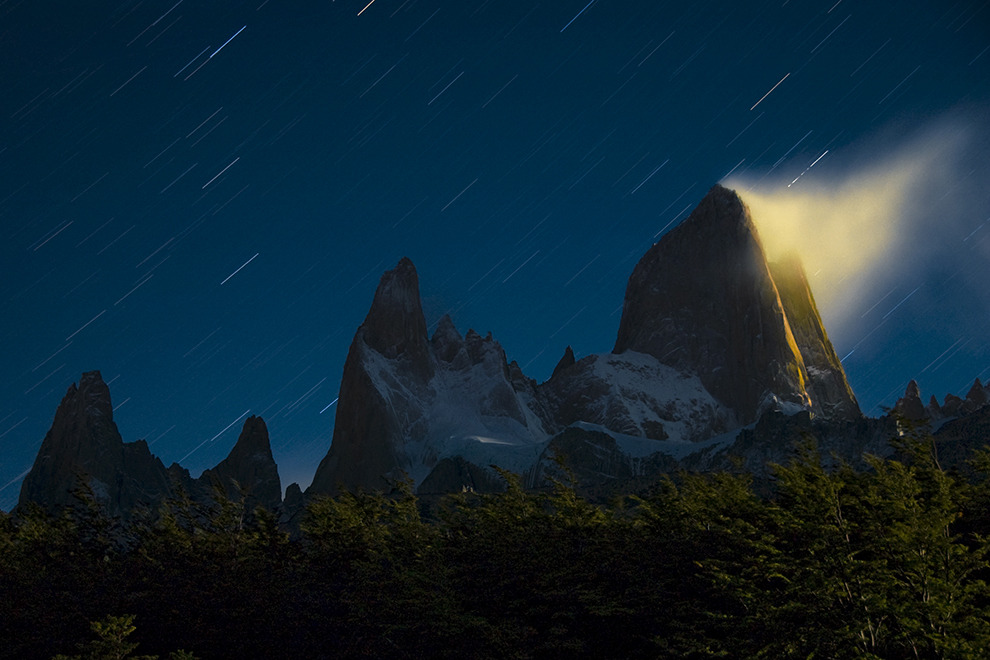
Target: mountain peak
(251, 465)
(566, 360)
(446, 328)
(702, 300)
(91, 397)
(977, 395)
(726, 199)
(910, 405)
(720, 211)
(253, 439)
(395, 324)
(913, 391)
(362, 450)
(83, 440)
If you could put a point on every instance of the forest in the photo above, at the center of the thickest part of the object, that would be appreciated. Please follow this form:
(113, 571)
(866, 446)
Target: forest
(885, 562)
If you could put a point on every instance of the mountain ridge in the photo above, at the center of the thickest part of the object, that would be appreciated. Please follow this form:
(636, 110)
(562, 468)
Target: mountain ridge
(84, 450)
(720, 355)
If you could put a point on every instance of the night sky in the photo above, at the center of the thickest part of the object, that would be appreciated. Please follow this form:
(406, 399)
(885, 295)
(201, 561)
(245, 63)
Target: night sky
(198, 198)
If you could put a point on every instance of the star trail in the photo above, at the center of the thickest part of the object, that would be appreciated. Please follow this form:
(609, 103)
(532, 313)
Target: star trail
(524, 155)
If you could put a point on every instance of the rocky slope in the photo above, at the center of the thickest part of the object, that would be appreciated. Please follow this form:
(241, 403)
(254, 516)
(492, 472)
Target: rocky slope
(84, 449)
(84, 446)
(721, 362)
(408, 402)
(712, 338)
(703, 301)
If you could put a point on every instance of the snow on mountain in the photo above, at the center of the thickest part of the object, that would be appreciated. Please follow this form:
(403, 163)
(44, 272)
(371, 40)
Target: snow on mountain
(467, 409)
(719, 355)
(640, 447)
(635, 395)
(708, 342)
(703, 300)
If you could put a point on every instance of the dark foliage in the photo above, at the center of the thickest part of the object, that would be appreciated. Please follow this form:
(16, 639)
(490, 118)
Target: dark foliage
(886, 563)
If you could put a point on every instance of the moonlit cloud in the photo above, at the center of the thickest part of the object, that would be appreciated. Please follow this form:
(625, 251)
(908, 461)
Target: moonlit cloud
(869, 216)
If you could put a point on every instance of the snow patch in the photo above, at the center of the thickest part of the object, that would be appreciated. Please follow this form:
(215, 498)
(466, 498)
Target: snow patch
(639, 447)
(650, 395)
(773, 402)
(468, 410)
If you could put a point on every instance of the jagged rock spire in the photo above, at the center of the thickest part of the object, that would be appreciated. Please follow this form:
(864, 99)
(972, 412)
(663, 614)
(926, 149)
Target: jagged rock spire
(828, 387)
(447, 341)
(250, 467)
(566, 360)
(395, 324)
(703, 300)
(910, 405)
(977, 395)
(84, 443)
(364, 451)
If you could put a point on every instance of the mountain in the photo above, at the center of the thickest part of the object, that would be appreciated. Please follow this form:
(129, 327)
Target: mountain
(249, 469)
(84, 443)
(409, 404)
(721, 362)
(84, 447)
(706, 301)
(703, 301)
(712, 338)
(830, 392)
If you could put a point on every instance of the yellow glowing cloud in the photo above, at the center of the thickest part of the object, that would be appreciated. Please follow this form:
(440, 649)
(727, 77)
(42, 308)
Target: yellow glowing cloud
(846, 230)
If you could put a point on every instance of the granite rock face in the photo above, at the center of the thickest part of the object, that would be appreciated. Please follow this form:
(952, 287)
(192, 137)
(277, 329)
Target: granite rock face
(249, 469)
(365, 449)
(703, 301)
(830, 392)
(408, 402)
(84, 445)
(395, 326)
(362, 452)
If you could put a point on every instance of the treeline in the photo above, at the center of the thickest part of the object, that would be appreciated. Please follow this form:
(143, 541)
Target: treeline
(889, 562)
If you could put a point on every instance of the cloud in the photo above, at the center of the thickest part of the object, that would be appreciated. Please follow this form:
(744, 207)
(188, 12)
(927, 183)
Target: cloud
(892, 211)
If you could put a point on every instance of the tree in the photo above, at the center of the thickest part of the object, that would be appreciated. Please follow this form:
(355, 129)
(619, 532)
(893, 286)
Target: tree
(111, 642)
(832, 601)
(874, 564)
(378, 577)
(938, 602)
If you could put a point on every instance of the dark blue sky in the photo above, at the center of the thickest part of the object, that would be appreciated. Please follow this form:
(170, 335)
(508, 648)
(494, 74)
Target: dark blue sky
(524, 155)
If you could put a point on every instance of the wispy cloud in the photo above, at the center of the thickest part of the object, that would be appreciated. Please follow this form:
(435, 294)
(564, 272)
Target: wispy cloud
(904, 208)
